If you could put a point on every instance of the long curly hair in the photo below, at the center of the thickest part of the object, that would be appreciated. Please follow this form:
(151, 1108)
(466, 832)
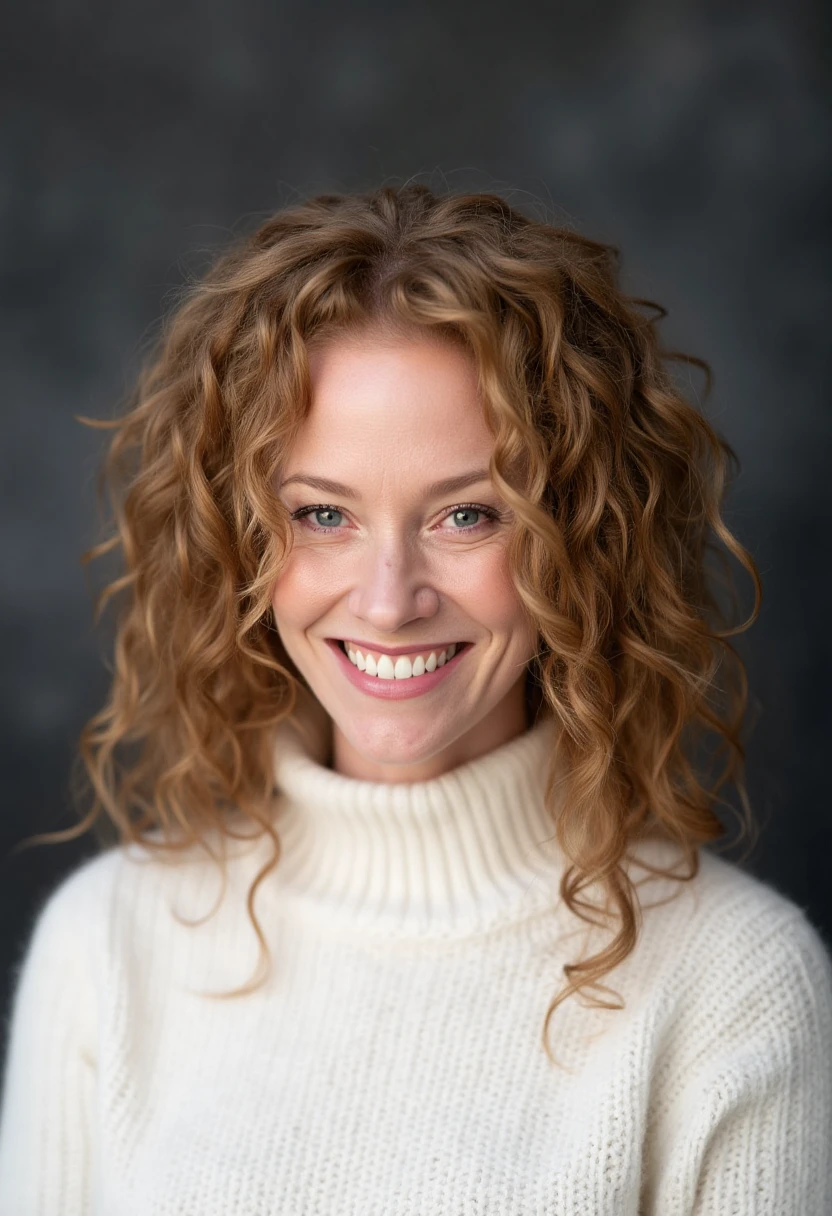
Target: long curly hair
(616, 484)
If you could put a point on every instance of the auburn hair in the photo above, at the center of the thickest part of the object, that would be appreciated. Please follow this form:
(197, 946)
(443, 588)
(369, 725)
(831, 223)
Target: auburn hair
(615, 481)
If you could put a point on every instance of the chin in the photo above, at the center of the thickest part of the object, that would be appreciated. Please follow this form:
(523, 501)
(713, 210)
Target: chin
(388, 742)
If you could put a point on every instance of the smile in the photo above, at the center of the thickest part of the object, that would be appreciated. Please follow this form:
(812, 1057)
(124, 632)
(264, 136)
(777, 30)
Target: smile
(408, 676)
(399, 667)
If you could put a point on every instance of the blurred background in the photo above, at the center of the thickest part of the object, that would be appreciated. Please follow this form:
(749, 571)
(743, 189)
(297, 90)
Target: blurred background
(137, 138)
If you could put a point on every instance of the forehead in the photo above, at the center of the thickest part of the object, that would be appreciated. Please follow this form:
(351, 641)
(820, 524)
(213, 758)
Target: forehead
(378, 391)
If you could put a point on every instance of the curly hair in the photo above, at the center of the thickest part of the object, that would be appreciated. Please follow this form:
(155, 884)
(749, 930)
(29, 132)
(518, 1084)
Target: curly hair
(615, 480)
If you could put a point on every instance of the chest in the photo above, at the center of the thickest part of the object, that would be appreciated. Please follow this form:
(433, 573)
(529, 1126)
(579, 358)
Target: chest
(368, 1088)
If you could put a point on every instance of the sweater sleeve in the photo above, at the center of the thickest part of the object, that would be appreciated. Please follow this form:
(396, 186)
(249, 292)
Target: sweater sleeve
(756, 1138)
(49, 1082)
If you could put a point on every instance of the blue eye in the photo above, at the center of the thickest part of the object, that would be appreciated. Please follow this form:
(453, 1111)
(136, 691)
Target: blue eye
(321, 509)
(466, 511)
(326, 511)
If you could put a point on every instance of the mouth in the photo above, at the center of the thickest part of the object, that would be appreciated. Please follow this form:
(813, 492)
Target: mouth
(394, 676)
(432, 658)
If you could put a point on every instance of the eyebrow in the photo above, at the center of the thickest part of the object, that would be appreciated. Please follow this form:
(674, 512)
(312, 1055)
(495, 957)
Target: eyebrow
(448, 485)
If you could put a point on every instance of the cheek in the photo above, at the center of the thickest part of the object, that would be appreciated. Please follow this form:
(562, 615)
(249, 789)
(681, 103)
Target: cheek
(484, 587)
(302, 591)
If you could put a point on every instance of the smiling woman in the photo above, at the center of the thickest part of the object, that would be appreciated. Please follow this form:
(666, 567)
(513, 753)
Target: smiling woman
(404, 570)
(418, 650)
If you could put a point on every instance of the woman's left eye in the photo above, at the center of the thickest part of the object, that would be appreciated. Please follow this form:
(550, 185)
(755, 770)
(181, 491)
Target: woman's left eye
(464, 510)
(468, 509)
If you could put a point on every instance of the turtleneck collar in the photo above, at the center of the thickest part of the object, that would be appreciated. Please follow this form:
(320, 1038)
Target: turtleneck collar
(460, 855)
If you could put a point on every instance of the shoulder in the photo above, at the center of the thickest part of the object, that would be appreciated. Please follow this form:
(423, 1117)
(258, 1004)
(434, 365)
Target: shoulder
(736, 952)
(57, 970)
(78, 897)
(766, 953)
(64, 933)
(733, 991)
(120, 879)
(741, 919)
(723, 906)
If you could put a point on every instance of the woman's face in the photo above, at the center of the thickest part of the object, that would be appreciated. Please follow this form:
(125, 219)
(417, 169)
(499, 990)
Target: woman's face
(387, 560)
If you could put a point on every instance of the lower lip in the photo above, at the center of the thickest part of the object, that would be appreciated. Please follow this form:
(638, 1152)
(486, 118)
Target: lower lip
(395, 690)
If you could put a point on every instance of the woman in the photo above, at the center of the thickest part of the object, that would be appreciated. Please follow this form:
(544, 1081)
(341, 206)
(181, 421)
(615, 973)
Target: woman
(417, 655)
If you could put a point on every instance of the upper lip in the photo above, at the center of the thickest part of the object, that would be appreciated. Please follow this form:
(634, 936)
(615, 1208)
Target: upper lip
(416, 648)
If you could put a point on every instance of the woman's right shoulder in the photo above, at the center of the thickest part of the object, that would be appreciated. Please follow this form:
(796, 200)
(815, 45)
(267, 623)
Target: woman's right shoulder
(124, 894)
(119, 874)
(87, 884)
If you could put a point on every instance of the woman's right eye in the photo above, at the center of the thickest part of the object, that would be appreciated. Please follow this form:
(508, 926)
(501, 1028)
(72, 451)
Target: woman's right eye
(319, 510)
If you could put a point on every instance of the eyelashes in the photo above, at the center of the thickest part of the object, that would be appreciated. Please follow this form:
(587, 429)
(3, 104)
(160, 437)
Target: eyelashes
(491, 514)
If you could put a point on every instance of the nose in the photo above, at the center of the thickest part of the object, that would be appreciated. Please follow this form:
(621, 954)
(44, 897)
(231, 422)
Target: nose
(392, 588)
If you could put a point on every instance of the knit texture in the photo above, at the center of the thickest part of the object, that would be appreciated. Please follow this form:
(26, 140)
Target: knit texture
(392, 1065)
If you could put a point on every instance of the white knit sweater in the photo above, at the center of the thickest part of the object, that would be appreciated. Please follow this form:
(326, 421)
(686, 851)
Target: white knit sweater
(393, 1066)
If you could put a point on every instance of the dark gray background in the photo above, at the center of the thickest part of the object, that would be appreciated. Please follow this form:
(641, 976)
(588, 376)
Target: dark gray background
(134, 135)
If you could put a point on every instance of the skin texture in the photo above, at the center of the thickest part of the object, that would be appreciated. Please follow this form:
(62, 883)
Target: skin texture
(388, 417)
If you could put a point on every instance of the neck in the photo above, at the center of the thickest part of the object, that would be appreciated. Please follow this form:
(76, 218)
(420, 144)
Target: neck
(459, 854)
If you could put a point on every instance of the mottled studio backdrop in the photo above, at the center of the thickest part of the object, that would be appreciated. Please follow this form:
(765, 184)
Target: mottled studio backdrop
(134, 136)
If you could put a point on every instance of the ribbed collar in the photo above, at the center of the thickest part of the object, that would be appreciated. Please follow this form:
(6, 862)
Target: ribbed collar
(463, 854)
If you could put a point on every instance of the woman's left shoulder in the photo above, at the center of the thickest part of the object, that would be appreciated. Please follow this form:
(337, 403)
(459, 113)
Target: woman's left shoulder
(739, 995)
(744, 912)
(730, 935)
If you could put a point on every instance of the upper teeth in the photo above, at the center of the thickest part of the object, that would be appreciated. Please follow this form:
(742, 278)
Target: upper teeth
(405, 666)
